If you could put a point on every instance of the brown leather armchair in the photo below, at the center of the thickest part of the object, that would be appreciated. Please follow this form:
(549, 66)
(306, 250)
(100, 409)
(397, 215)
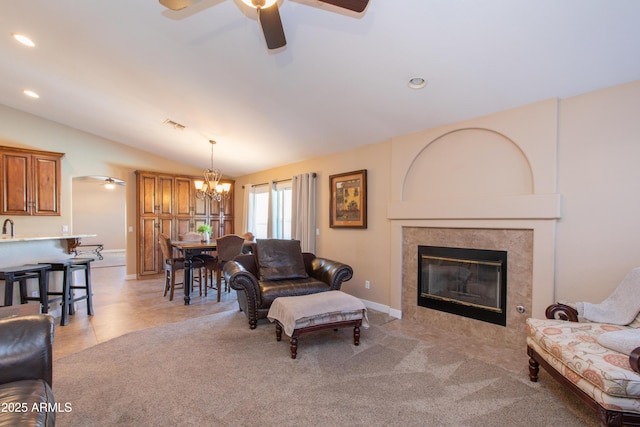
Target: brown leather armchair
(279, 268)
(26, 370)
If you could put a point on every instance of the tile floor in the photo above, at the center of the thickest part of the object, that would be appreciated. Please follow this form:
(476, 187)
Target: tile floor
(121, 306)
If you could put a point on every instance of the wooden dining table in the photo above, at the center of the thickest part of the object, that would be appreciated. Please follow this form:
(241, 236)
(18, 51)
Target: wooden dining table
(189, 249)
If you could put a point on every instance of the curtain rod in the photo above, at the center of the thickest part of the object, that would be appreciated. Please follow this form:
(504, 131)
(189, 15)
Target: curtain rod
(313, 175)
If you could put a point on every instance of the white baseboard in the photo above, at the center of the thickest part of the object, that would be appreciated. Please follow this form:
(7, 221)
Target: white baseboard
(383, 308)
(395, 313)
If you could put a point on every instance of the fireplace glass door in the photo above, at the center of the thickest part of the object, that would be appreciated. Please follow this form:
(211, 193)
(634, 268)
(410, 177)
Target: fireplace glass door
(466, 282)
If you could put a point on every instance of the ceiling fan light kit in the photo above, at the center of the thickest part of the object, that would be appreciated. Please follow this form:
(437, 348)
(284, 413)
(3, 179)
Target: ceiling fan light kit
(109, 183)
(259, 3)
(269, 16)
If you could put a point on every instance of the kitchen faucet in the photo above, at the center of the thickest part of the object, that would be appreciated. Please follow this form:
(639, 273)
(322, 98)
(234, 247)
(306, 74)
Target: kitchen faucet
(4, 226)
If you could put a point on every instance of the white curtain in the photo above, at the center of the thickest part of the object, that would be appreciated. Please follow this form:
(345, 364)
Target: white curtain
(303, 216)
(247, 209)
(273, 189)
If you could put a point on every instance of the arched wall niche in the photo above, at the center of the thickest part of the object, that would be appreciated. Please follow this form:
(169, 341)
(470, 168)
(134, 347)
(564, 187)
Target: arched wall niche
(469, 161)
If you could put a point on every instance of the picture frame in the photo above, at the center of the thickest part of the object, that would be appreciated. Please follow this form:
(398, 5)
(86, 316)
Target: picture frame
(348, 200)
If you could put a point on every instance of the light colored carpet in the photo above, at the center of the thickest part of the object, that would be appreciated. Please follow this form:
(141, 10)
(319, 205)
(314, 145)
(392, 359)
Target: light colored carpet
(215, 371)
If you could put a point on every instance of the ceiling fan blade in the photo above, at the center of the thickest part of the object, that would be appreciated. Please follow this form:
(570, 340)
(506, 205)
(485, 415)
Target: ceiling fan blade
(176, 4)
(272, 26)
(355, 5)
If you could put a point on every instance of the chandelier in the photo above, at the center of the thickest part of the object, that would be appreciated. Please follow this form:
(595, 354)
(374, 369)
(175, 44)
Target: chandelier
(210, 188)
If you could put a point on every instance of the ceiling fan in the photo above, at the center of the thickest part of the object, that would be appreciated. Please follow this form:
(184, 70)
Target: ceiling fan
(269, 16)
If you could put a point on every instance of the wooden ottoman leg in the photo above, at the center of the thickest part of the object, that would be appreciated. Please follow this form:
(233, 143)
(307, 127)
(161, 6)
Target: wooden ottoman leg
(294, 344)
(356, 333)
(278, 331)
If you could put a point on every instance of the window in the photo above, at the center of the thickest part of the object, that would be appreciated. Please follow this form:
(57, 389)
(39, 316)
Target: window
(275, 222)
(282, 211)
(259, 211)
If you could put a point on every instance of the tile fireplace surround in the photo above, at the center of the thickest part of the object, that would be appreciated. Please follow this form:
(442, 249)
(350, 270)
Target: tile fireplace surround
(518, 244)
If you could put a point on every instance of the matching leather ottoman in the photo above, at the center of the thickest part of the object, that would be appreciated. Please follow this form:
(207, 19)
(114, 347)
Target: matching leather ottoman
(308, 313)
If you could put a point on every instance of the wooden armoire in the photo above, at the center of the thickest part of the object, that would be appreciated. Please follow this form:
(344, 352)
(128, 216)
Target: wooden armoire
(167, 204)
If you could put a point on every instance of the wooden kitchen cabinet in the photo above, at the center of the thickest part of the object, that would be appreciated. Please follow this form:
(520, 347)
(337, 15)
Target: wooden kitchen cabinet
(30, 182)
(167, 204)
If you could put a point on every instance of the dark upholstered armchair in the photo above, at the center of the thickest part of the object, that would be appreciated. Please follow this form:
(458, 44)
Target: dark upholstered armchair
(26, 371)
(279, 268)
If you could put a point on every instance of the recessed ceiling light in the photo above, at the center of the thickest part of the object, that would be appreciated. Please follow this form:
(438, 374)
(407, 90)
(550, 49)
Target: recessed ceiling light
(30, 93)
(417, 83)
(23, 39)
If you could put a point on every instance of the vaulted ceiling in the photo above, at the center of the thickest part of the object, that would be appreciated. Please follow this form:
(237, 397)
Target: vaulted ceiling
(121, 68)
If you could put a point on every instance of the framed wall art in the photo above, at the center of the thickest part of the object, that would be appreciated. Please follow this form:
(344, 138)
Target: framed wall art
(348, 204)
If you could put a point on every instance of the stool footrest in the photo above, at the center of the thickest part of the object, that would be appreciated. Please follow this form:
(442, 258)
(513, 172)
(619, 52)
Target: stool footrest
(95, 249)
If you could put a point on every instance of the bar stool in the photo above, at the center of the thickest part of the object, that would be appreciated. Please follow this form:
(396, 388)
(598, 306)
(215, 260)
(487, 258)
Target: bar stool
(68, 267)
(20, 275)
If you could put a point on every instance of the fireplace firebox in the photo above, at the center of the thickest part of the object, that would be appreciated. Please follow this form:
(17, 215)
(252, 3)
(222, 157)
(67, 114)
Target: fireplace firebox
(462, 281)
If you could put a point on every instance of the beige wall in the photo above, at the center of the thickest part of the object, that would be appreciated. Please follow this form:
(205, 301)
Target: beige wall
(86, 155)
(366, 250)
(598, 238)
(100, 211)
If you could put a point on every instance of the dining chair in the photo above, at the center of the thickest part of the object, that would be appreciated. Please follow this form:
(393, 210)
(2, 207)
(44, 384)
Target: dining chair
(228, 247)
(172, 265)
(191, 236)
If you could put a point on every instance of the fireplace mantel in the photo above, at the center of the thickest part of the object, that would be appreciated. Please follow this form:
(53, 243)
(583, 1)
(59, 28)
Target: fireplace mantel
(514, 207)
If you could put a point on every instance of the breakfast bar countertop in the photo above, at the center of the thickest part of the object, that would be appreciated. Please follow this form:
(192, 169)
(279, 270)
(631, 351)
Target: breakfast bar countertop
(26, 238)
(34, 248)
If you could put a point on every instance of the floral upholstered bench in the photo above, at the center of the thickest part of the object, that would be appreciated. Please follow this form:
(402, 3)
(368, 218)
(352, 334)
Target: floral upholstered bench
(599, 362)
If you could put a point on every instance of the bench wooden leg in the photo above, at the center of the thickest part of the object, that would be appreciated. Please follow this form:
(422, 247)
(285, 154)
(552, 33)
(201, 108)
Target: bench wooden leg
(294, 345)
(534, 366)
(534, 369)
